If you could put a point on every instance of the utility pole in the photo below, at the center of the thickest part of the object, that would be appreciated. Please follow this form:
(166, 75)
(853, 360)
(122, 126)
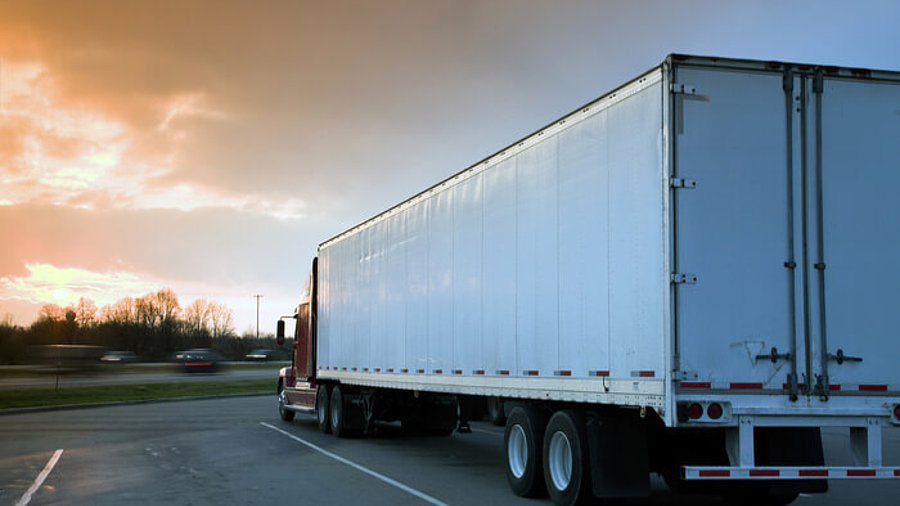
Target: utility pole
(258, 296)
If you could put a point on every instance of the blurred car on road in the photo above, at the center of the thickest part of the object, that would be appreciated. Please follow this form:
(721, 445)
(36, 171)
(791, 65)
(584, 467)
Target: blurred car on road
(198, 360)
(119, 357)
(261, 355)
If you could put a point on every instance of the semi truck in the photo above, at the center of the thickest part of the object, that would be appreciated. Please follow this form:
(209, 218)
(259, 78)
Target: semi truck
(690, 275)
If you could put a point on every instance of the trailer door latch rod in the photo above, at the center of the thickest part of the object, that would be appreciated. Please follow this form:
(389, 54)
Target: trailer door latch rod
(774, 356)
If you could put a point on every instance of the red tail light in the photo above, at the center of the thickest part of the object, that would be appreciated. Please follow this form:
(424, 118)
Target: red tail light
(695, 411)
(897, 412)
(714, 411)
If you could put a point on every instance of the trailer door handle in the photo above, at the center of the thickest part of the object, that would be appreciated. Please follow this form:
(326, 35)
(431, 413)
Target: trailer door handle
(840, 358)
(774, 356)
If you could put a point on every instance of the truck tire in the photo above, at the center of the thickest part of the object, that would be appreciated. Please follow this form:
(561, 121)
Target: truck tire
(566, 464)
(495, 411)
(285, 414)
(323, 413)
(523, 440)
(346, 419)
(336, 412)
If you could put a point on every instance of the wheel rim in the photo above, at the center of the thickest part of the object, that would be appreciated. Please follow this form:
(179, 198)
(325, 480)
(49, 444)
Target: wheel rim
(281, 402)
(517, 450)
(320, 411)
(559, 460)
(335, 412)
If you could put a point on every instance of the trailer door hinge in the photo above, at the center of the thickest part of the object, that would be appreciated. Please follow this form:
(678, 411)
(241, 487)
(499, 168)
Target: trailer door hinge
(688, 279)
(685, 89)
(677, 182)
(685, 375)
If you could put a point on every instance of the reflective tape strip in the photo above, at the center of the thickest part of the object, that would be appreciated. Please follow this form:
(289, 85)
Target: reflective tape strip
(745, 386)
(714, 473)
(789, 473)
(696, 384)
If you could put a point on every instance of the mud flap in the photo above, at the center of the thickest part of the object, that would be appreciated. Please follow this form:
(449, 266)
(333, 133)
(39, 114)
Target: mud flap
(791, 446)
(618, 457)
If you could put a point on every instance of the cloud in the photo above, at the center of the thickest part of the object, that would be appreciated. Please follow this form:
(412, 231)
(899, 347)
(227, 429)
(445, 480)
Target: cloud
(215, 144)
(70, 156)
(49, 284)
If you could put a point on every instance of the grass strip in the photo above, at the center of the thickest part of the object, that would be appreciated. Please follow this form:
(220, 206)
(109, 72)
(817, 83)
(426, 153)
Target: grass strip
(110, 393)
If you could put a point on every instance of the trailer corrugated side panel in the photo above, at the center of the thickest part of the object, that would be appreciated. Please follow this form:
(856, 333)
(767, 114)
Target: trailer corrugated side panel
(540, 272)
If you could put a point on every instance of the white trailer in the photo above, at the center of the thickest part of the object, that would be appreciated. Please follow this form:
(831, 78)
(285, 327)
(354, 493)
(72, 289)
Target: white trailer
(690, 275)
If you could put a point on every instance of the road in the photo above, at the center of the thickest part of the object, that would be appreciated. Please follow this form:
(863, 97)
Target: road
(154, 375)
(237, 451)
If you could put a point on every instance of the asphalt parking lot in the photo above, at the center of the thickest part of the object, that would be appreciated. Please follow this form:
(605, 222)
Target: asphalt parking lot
(237, 451)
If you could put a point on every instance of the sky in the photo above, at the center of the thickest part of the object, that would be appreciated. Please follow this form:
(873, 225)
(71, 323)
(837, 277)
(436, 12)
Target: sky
(210, 146)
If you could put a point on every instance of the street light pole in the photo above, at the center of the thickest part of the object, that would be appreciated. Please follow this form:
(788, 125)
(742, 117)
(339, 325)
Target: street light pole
(258, 296)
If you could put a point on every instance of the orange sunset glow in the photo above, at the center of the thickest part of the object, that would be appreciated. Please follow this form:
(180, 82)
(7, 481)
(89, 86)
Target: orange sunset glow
(208, 146)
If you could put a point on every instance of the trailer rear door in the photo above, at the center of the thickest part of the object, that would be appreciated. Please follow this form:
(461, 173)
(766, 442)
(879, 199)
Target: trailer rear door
(785, 229)
(734, 228)
(856, 275)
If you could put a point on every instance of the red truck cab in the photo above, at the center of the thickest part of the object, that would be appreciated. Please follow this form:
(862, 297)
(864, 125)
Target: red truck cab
(296, 383)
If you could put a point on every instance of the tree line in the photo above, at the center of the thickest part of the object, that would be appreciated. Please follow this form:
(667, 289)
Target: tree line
(153, 326)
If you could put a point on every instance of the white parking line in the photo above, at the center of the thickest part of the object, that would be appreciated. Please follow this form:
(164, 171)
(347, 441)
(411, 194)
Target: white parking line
(40, 479)
(407, 489)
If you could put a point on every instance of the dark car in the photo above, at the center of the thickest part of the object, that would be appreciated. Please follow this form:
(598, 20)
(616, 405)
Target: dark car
(198, 360)
(260, 355)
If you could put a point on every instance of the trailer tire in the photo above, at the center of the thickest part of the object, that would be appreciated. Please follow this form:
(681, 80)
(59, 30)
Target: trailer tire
(566, 463)
(323, 413)
(523, 440)
(286, 414)
(337, 413)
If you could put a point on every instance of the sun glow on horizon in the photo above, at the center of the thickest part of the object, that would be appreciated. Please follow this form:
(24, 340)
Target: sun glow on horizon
(48, 284)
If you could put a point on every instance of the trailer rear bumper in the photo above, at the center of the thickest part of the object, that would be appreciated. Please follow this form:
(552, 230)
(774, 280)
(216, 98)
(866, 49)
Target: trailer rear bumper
(707, 473)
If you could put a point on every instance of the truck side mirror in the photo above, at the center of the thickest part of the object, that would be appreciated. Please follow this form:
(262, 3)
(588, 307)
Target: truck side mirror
(279, 336)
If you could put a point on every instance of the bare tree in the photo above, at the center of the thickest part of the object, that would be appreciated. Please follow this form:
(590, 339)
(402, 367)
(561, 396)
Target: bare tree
(122, 312)
(85, 312)
(145, 311)
(167, 306)
(197, 315)
(157, 309)
(221, 320)
(52, 312)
